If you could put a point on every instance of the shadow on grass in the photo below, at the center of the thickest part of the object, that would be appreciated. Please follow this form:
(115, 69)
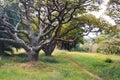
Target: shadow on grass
(22, 58)
(19, 58)
(48, 59)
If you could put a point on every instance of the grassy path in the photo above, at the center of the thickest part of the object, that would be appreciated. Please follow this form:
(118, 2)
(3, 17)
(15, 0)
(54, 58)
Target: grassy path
(83, 68)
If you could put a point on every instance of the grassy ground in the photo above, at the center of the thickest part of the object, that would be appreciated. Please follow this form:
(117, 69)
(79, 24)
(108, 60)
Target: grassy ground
(58, 68)
(47, 68)
(99, 64)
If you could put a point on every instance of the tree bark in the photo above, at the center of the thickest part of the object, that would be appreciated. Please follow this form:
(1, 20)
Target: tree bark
(1, 47)
(32, 55)
(48, 49)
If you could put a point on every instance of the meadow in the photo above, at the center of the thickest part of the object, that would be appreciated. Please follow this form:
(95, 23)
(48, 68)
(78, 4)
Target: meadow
(62, 65)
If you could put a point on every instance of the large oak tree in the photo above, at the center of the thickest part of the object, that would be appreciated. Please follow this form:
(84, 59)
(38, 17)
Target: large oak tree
(38, 22)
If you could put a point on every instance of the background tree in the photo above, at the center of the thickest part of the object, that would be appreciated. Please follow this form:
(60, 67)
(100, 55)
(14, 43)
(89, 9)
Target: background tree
(109, 43)
(83, 25)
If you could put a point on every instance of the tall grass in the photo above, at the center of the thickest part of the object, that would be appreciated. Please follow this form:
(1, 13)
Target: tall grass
(47, 68)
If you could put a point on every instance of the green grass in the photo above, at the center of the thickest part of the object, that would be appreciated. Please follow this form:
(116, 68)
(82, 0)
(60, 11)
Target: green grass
(96, 63)
(47, 68)
(58, 68)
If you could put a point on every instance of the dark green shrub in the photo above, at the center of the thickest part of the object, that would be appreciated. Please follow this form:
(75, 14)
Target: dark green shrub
(108, 60)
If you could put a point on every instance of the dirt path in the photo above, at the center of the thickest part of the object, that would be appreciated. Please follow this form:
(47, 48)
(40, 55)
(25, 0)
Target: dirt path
(83, 68)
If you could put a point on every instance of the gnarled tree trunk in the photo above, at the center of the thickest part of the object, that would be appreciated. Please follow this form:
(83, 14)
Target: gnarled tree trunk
(2, 49)
(48, 49)
(33, 55)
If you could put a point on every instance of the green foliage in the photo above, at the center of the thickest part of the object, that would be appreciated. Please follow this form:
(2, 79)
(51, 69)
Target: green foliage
(109, 43)
(23, 36)
(110, 46)
(101, 38)
(78, 27)
(86, 47)
(79, 48)
(74, 31)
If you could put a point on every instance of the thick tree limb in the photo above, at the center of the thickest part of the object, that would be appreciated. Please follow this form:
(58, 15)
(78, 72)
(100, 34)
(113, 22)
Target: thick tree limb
(7, 40)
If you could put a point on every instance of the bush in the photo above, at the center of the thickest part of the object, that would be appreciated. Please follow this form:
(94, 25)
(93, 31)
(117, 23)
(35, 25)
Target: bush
(110, 47)
(108, 60)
